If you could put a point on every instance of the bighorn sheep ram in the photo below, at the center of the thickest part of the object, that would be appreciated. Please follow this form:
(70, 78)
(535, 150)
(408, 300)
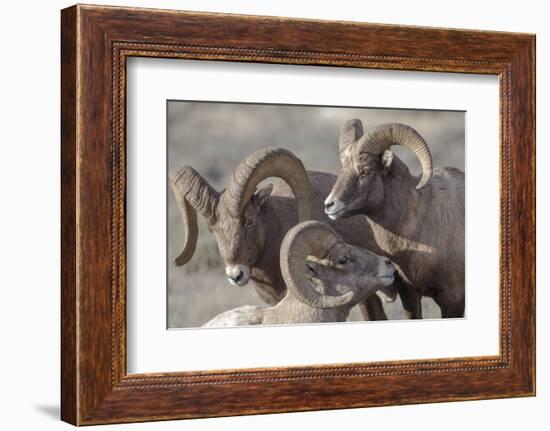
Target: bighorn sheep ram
(342, 277)
(418, 224)
(249, 225)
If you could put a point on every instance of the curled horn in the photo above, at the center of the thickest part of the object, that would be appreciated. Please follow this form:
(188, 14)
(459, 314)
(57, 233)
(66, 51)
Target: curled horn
(310, 238)
(262, 164)
(349, 133)
(382, 137)
(192, 193)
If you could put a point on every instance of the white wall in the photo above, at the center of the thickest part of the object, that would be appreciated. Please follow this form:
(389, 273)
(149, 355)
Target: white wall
(29, 228)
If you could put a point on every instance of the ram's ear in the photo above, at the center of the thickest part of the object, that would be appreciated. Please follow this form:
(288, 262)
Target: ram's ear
(387, 159)
(261, 195)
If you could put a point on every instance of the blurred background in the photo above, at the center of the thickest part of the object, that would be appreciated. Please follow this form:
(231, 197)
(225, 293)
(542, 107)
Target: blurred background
(214, 137)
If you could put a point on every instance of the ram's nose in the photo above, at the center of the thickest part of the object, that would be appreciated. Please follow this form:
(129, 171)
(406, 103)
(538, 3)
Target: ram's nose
(386, 270)
(388, 265)
(333, 207)
(238, 275)
(236, 279)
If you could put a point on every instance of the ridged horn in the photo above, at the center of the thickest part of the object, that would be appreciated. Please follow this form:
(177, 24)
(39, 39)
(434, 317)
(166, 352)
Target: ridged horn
(310, 238)
(382, 137)
(262, 164)
(192, 193)
(349, 133)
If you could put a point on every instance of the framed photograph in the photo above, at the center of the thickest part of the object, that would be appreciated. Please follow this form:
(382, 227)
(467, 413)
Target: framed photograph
(329, 214)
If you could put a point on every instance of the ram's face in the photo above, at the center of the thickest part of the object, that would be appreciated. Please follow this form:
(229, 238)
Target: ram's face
(347, 267)
(241, 239)
(359, 187)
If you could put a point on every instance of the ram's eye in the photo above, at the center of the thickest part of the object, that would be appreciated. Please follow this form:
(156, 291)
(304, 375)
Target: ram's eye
(249, 222)
(343, 260)
(365, 172)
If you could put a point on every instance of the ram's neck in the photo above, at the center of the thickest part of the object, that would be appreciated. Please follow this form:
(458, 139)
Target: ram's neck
(404, 208)
(397, 229)
(266, 272)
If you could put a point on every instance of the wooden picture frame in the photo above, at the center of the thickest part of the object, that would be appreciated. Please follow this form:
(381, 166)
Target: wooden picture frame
(95, 43)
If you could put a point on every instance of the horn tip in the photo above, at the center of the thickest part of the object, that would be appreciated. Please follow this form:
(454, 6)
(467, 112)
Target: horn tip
(354, 122)
(350, 132)
(337, 301)
(346, 297)
(422, 183)
(181, 260)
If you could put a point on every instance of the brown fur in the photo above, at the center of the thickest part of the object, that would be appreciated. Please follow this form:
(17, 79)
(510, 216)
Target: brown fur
(341, 269)
(421, 231)
(270, 218)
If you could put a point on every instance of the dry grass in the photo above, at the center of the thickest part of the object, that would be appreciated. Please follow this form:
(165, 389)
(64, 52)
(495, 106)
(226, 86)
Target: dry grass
(196, 298)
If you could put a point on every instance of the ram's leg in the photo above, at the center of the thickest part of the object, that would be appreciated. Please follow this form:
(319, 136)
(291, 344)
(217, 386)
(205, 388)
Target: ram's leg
(372, 308)
(411, 299)
(451, 301)
(454, 311)
(451, 308)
